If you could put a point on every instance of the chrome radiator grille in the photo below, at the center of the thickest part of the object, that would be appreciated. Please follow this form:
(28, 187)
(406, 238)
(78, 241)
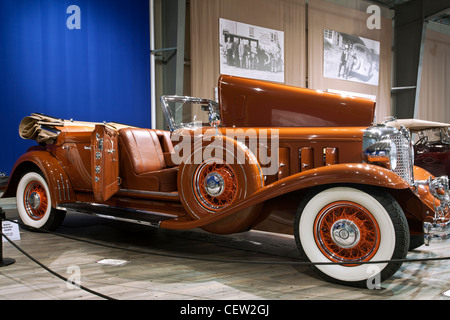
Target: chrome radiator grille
(404, 157)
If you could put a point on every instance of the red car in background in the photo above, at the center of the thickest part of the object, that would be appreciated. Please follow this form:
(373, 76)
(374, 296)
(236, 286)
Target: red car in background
(432, 146)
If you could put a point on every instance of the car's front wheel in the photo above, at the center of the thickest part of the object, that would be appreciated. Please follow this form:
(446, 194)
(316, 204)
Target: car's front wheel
(34, 203)
(349, 226)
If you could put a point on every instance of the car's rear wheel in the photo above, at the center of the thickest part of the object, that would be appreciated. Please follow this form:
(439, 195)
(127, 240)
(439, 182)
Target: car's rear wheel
(34, 203)
(350, 226)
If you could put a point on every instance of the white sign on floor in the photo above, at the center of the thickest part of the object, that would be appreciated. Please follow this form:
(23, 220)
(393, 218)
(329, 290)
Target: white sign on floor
(11, 230)
(113, 262)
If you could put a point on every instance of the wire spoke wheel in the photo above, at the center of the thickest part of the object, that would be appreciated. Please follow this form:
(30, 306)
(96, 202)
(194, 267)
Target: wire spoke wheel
(34, 203)
(218, 175)
(215, 185)
(35, 200)
(346, 232)
(351, 226)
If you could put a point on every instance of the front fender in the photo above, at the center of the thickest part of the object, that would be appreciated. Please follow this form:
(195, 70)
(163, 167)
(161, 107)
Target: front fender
(351, 173)
(58, 182)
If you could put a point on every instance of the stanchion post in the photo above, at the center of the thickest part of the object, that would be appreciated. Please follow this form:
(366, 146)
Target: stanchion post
(3, 261)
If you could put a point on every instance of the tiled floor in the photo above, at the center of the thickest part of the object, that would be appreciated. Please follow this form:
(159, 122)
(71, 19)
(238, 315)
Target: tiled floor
(189, 265)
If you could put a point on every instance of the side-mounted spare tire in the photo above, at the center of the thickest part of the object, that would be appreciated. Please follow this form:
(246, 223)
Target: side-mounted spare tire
(34, 203)
(349, 226)
(214, 177)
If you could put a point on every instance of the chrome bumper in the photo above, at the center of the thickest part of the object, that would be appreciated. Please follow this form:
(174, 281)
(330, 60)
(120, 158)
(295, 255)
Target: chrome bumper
(439, 229)
(436, 231)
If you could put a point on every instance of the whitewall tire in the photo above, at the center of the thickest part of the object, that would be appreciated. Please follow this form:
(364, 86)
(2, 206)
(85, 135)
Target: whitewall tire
(352, 226)
(34, 203)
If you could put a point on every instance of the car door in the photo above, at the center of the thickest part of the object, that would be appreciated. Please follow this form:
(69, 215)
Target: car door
(105, 162)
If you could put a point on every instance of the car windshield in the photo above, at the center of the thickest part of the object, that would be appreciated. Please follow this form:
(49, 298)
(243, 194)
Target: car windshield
(436, 135)
(445, 132)
(189, 112)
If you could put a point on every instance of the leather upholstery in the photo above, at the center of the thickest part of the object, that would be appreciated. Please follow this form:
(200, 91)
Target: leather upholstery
(144, 149)
(167, 147)
(164, 139)
(145, 162)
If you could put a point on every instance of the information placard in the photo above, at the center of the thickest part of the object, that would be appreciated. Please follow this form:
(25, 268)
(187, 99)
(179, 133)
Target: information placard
(11, 230)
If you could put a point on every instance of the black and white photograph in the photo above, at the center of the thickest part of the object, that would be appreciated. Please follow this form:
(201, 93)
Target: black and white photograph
(350, 57)
(251, 51)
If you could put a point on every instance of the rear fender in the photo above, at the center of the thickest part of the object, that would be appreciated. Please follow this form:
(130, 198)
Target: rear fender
(58, 182)
(361, 174)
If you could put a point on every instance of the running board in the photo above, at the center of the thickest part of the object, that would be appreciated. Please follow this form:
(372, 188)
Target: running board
(147, 218)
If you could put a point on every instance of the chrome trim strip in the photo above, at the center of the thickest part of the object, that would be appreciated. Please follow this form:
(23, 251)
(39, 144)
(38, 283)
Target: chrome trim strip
(146, 223)
(158, 217)
(151, 193)
(133, 210)
(171, 216)
(64, 188)
(68, 190)
(59, 190)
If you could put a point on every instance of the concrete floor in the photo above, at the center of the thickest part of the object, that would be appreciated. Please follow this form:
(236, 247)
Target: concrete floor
(189, 265)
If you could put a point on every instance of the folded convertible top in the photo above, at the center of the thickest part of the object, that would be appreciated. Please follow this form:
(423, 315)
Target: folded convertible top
(45, 129)
(40, 127)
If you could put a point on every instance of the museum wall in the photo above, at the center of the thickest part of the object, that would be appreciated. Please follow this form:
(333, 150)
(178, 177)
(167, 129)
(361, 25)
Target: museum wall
(324, 15)
(434, 94)
(303, 26)
(92, 65)
(284, 15)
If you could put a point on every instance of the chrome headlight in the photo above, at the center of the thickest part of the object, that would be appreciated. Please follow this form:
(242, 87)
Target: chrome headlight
(382, 153)
(391, 148)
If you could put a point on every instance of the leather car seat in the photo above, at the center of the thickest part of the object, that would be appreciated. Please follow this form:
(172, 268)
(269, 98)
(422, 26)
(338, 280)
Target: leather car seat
(143, 165)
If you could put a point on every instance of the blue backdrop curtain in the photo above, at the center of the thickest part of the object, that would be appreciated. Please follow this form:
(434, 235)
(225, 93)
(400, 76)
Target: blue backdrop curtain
(100, 72)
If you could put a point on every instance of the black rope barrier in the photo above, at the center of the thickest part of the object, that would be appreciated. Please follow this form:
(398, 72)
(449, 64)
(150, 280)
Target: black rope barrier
(8, 261)
(301, 263)
(74, 283)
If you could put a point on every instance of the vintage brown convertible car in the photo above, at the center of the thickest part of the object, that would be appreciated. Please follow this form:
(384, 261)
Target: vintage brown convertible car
(266, 156)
